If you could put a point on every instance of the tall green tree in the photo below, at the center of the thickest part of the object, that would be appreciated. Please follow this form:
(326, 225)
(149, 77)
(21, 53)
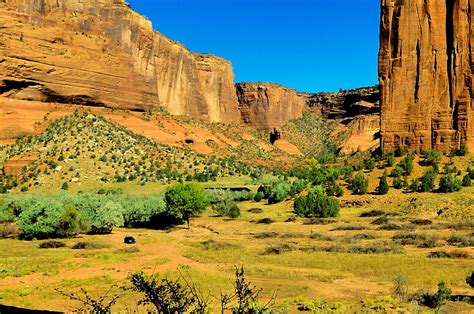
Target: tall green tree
(186, 200)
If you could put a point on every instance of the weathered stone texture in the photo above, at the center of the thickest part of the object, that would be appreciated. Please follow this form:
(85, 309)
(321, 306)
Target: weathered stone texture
(267, 105)
(101, 52)
(425, 71)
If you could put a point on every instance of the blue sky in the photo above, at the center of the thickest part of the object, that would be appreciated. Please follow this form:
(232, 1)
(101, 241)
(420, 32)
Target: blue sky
(309, 45)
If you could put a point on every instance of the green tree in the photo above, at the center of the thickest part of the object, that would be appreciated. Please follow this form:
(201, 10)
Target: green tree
(65, 186)
(186, 200)
(107, 216)
(44, 218)
(466, 181)
(390, 159)
(227, 208)
(315, 204)
(383, 187)
(431, 157)
(443, 294)
(359, 184)
(449, 184)
(428, 180)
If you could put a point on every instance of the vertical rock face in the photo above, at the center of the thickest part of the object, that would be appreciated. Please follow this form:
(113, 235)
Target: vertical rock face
(101, 52)
(267, 105)
(425, 71)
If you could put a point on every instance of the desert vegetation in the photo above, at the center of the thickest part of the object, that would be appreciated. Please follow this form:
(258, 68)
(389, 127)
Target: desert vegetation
(298, 231)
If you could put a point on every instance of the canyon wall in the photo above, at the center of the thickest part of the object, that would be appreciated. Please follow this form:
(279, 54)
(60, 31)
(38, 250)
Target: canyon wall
(425, 72)
(267, 105)
(100, 52)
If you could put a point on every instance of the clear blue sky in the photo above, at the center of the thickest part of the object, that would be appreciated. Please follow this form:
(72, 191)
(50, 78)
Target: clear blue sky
(309, 45)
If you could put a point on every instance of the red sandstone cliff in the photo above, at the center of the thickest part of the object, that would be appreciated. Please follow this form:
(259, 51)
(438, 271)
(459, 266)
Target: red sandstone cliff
(100, 52)
(425, 70)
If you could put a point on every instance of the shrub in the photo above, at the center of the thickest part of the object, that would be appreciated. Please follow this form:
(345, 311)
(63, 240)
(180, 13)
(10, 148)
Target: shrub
(390, 159)
(466, 181)
(383, 187)
(278, 249)
(431, 157)
(320, 236)
(445, 254)
(359, 184)
(459, 240)
(216, 245)
(316, 205)
(372, 213)
(397, 182)
(106, 217)
(428, 180)
(449, 184)
(440, 297)
(462, 151)
(266, 234)
(48, 218)
(414, 185)
(421, 222)
(406, 164)
(186, 200)
(470, 280)
(8, 231)
(279, 192)
(258, 197)
(227, 208)
(395, 226)
(89, 246)
(255, 210)
(167, 296)
(65, 186)
(266, 221)
(146, 211)
(52, 245)
(348, 227)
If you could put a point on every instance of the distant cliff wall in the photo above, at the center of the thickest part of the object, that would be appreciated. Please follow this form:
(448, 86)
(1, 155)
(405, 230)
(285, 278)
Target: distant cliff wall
(101, 52)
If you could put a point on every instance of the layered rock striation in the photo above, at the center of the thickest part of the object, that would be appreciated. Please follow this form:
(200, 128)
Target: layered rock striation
(100, 52)
(425, 71)
(268, 105)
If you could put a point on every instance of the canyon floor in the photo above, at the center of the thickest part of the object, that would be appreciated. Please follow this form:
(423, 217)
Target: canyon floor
(296, 261)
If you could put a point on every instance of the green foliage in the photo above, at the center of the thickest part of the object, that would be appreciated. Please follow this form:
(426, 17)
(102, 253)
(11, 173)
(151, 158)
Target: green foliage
(258, 197)
(470, 280)
(316, 205)
(279, 192)
(166, 295)
(449, 184)
(462, 151)
(431, 157)
(397, 183)
(185, 200)
(414, 185)
(143, 211)
(359, 184)
(106, 217)
(406, 164)
(440, 297)
(428, 180)
(383, 186)
(227, 208)
(65, 186)
(466, 181)
(390, 159)
(48, 218)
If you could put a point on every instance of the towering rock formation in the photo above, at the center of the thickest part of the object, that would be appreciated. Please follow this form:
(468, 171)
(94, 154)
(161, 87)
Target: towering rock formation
(267, 105)
(100, 52)
(425, 70)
